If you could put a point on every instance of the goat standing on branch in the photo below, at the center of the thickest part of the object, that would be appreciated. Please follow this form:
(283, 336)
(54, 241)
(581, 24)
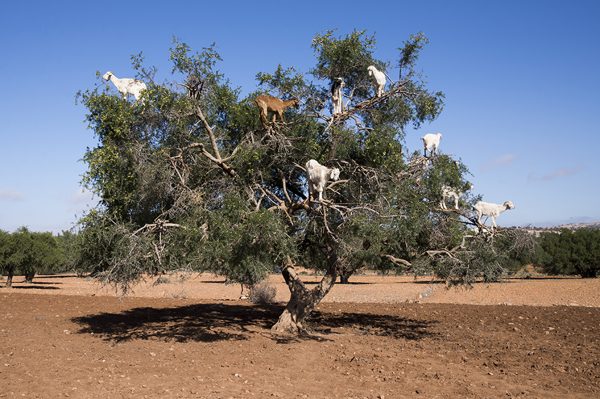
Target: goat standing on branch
(318, 176)
(449, 193)
(431, 143)
(491, 210)
(379, 78)
(337, 96)
(268, 103)
(126, 86)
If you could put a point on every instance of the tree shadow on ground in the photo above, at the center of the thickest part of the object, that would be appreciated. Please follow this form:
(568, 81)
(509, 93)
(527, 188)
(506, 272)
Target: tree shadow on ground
(217, 322)
(34, 287)
(53, 276)
(341, 284)
(373, 324)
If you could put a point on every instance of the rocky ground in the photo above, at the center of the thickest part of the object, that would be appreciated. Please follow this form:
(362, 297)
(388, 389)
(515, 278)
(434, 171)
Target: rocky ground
(380, 337)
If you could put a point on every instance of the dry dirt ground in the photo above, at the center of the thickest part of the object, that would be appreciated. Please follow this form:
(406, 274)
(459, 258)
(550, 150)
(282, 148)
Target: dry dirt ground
(381, 337)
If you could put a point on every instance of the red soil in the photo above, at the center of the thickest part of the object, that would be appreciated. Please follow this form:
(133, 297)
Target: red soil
(91, 345)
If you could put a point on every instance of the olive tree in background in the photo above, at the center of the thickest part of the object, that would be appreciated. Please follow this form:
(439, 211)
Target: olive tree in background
(28, 253)
(189, 178)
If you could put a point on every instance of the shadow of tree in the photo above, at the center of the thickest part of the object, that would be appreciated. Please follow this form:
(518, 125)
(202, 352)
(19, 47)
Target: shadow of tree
(55, 276)
(34, 287)
(215, 322)
(198, 322)
(374, 324)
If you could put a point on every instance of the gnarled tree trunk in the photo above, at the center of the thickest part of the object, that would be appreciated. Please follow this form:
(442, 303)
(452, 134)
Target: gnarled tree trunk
(9, 277)
(29, 277)
(302, 300)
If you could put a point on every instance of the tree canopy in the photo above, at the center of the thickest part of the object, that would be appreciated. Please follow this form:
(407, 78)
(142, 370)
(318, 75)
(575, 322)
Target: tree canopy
(189, 178)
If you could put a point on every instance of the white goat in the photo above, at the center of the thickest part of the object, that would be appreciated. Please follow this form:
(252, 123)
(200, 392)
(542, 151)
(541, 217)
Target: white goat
(448, 193)
(126, 86)
(431, 142)
(491, 210)
(379, 78)
(336, 95)
(318, 176)
(451, 193)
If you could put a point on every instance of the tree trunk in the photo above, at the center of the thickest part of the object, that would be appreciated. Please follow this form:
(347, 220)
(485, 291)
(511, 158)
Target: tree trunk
(29, 277)
(9, 277)
(345, 278)
(291, 321)
(302, 301)
(588, 274)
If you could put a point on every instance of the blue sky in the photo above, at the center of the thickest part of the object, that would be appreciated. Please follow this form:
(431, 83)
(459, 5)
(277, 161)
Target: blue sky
(521, 80)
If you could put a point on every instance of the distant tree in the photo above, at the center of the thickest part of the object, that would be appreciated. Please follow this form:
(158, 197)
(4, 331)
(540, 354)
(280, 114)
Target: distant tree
(18, 254)
(27, 253)
(67, 251)
(46, 256)
(5, 250)
(570, 252)
(190, 179)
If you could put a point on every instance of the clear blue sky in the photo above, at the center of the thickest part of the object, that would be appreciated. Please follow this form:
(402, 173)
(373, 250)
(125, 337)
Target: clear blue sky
(521, 78)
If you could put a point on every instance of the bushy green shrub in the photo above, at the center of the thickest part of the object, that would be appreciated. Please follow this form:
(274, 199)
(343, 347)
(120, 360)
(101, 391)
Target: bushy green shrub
(570, 252)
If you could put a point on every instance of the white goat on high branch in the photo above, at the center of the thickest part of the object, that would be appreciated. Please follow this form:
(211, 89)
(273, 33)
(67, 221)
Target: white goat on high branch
(379, 78)
(449, 193)
(318, 176)
(431, 143)
(126, 86)
(492, 210)
(337, 96)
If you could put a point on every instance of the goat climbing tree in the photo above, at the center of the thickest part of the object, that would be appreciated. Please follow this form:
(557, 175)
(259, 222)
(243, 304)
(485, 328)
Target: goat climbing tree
(189, 178)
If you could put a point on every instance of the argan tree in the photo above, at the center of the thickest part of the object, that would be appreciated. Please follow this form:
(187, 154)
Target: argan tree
(189, 178)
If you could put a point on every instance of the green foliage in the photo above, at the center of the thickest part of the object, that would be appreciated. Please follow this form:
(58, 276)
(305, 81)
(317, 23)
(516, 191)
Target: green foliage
(189, 63)
(5, 251)
(190, 179)
(480, 257)
(570, 252)
(480, 260)
(446, 172)
(67, 248)
(346, 57)
(284, 82)
(243, 245)
(410, 52)
(28, 253)
(518, 247)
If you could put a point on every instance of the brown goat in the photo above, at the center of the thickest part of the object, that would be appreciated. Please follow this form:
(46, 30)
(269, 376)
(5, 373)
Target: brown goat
(268, 103)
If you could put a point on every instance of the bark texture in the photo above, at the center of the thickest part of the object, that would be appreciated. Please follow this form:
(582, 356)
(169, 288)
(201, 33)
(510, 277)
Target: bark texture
(302, 300)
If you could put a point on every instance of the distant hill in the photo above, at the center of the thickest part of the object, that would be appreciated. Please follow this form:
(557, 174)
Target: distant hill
(541, 228)
(575, 226)
(571, 223)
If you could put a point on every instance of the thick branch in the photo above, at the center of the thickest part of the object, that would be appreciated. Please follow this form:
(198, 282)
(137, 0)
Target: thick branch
(216, 156)
(398, 261)
(368, 104)
(209, 132)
